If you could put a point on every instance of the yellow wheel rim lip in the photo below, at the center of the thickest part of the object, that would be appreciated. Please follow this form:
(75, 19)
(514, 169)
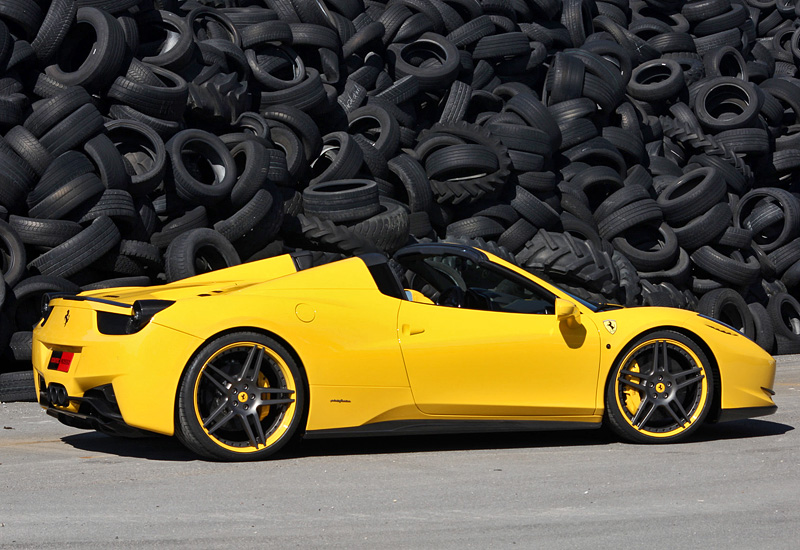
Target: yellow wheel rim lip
(288, 414)
(698, 407)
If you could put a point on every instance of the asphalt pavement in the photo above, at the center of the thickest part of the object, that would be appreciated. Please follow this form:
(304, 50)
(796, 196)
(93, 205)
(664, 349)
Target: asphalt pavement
(734, 485)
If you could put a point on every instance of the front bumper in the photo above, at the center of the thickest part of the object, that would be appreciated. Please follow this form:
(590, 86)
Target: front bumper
(114, 381)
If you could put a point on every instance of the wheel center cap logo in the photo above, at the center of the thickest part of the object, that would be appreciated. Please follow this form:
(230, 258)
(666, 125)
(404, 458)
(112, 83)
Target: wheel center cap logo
(242, 397)
(660, 387)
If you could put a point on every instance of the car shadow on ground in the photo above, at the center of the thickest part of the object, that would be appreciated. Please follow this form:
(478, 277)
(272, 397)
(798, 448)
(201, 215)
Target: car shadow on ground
(169, 449)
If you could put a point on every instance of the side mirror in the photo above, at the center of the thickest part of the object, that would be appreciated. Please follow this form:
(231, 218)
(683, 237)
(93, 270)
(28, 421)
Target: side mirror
(567, 311)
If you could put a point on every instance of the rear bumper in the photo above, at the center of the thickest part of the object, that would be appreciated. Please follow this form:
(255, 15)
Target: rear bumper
(113, 381)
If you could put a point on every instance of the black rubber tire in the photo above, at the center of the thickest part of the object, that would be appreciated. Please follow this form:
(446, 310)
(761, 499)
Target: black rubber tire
(246, 218)
(202, 166)
(79, 251)
(775, 235)
(388, 230)
(92, 60)
(198, 251)
(117, 204)
(692, 194)
(197, 391)
(17, 386)
(475, 227)
(20, 345)
(656, 80)
(765, 333)
(166, 100)
(165, 40)
(43, 233)
(649, 247)
(732, 268)
(13, 256)
(725, 103)
(342, 200)
(533, 209)
(705, 228)
(24, 308)
(385, 138)
(144, 152)
(697, 380)
(302, 124)
(53, 30)
(408, 174)
(639, 212)
(341, 158)
(727, 306)
(193, 219)
(108, 161)
(69, 197)
(73, 131)
(566, 259)
(30, 149)
(427, 46)
(252, 168)
(784, 311)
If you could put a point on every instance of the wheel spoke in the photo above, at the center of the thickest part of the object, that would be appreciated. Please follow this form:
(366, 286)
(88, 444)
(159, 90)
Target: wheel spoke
(221, 423)
(674, 416)
(212, 369)
(253, 361)
(684, 415)
(260, 437)
(255, 438)
(279, 391)
(634, 385)
(215, 413)
(268, 402)
(690, 381)
(639, 418)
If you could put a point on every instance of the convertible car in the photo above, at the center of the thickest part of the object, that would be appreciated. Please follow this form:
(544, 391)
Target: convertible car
(441, 338)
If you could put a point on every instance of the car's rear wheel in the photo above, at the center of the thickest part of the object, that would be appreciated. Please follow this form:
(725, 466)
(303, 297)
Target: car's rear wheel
(241, 398)
(660, 390)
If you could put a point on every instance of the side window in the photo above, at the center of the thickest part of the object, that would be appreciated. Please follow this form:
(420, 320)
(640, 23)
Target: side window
(498, 290)
(455, 281)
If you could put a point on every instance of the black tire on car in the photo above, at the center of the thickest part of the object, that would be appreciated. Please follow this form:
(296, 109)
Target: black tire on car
(261, 408)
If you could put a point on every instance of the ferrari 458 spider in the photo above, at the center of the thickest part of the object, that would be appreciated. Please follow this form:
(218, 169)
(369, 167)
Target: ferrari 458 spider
(441, 338)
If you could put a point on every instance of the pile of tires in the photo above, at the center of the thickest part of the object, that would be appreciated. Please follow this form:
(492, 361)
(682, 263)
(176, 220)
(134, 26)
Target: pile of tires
(642, 152)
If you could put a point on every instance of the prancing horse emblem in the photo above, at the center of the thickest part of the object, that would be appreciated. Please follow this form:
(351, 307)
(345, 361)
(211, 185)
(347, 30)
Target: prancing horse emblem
(611, 326)
(66, 318)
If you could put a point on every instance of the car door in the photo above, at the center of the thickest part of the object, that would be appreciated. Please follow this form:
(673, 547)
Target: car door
(500, 362)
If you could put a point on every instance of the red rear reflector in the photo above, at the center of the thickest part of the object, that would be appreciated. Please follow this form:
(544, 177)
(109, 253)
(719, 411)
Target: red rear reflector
(61, 361)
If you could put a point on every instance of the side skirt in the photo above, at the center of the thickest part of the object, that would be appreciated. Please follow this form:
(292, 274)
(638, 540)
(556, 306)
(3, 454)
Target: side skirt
(438, 426)
(748, 412)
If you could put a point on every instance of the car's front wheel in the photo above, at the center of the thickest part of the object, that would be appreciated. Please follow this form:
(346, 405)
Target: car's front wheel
(241, 398)
(660, 390)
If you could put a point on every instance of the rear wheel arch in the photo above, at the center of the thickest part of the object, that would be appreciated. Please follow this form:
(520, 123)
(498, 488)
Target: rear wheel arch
(203, 347)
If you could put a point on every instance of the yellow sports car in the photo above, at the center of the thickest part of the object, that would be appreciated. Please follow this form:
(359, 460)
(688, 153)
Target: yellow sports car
(441, 338)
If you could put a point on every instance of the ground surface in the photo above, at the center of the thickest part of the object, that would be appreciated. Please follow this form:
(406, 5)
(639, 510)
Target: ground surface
(735, 485)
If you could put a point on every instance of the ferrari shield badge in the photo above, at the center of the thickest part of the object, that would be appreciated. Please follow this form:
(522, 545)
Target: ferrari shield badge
(611, 325)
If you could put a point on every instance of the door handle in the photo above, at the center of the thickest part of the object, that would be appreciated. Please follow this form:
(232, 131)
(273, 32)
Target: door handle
(408, 330)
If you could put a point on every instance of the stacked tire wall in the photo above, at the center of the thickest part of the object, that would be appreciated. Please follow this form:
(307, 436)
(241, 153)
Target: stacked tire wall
(640, 152)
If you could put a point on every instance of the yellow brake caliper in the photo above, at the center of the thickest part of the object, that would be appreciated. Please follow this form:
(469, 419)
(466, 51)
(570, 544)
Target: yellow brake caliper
(632, 397)
(263, 383)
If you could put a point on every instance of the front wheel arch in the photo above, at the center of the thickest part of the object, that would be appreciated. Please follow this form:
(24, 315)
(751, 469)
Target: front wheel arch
(716, 404)
(713, 408)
